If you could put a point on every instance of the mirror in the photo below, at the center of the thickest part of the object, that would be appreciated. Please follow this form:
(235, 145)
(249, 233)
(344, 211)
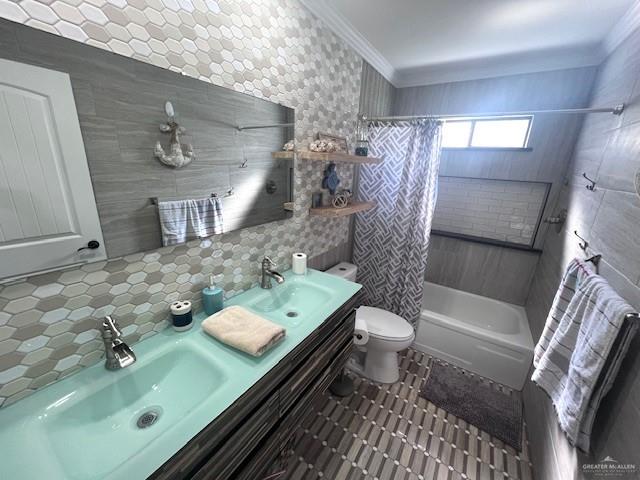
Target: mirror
(130, 111)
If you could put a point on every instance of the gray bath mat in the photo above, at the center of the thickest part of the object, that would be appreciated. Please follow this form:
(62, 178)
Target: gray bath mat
(476, 402)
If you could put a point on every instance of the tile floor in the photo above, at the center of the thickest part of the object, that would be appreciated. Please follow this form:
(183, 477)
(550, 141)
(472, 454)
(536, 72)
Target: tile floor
(389, 432)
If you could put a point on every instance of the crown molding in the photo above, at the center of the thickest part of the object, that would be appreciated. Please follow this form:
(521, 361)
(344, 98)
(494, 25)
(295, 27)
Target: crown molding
(500, 66)
(527, 62)
(347, 32)
(627, 24)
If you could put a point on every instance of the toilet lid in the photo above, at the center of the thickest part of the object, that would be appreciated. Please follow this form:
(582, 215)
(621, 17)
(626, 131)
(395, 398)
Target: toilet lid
(385, 325)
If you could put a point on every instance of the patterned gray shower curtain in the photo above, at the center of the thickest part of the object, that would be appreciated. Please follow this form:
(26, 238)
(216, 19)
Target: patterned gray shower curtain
(391, 241)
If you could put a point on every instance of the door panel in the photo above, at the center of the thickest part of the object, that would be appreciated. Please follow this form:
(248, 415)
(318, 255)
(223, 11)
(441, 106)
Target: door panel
(47, 206)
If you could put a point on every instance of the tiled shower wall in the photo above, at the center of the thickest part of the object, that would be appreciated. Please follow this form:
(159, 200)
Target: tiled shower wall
(272, 49)
(473, 266)
(494, 209)
(608, 150)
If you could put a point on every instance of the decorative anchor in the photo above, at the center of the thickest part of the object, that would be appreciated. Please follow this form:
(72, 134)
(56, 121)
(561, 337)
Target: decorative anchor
(176, 158)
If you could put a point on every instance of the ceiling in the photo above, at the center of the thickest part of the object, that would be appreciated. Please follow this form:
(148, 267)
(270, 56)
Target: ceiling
(430, 41)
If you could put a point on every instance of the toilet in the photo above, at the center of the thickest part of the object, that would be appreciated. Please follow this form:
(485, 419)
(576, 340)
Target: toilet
(388, 335)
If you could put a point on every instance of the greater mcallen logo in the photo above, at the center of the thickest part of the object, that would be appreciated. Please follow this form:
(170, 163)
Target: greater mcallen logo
(610, 467)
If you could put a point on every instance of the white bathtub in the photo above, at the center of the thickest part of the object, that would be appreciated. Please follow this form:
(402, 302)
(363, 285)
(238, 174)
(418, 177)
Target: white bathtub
(485, 336)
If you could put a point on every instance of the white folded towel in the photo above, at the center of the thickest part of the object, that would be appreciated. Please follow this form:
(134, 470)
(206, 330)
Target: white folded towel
(238, 327)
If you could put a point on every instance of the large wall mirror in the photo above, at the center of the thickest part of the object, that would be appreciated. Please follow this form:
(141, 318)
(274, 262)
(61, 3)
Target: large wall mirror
(228, 176)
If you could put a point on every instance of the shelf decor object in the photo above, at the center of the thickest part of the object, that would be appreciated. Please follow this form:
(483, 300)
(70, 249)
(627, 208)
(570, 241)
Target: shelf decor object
(340, 142)
(332, 212)
(177, 158)
(342, 198)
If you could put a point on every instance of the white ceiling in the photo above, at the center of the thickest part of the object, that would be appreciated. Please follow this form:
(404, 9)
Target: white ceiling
(429, 41)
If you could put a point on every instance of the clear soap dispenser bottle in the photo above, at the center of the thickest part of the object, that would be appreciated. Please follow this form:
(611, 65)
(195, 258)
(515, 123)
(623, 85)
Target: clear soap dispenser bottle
(212, 298)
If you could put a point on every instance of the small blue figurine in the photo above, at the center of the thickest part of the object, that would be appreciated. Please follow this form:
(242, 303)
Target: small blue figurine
(331, 180)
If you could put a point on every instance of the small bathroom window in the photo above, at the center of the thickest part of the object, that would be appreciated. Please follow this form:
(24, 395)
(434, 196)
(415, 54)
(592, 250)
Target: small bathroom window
(494, 132)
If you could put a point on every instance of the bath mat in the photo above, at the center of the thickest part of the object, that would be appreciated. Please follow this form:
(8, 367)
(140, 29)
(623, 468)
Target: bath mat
(476, 402)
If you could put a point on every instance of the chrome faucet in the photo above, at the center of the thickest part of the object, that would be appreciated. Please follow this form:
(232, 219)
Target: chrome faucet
(119, 354)
(268, 274)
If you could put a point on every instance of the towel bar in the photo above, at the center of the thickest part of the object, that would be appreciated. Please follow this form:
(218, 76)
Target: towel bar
(228, 193)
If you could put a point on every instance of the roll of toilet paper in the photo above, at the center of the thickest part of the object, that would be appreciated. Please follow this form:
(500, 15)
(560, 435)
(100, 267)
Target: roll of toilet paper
(299, 263)
(360, 332)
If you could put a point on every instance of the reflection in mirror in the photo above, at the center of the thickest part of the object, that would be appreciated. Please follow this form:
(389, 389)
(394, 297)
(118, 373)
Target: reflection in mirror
(213, 169)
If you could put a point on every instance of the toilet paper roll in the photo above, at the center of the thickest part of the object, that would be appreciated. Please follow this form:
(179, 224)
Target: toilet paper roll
(299, 263)
(360, 332)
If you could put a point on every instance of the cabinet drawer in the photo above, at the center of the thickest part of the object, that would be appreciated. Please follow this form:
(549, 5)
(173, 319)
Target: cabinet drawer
(295, 416)
(272, 446)
(299, 353)
(291, 390)
(241, 443)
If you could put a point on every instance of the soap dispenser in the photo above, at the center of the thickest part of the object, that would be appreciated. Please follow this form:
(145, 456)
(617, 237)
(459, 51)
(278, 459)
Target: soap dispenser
(212, 298)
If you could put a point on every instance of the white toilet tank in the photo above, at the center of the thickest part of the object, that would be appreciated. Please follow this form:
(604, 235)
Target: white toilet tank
(345, 270)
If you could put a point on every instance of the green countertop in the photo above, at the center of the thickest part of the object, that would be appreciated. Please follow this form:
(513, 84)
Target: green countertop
(84, 426)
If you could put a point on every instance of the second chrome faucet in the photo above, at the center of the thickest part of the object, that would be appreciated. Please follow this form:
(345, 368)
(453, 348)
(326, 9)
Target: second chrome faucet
(268, 273)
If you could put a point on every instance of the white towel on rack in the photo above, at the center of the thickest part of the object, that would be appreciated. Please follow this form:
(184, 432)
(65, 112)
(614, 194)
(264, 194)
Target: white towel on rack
(579, 353)
(183, 220)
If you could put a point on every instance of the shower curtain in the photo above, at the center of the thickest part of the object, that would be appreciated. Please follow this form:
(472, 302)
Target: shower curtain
(391, 240)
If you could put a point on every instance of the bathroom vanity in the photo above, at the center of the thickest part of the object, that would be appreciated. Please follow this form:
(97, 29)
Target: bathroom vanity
(190, 406)
(253, 432)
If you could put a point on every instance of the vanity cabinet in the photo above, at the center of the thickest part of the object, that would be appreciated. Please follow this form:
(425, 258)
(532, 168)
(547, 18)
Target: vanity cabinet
(243, 441)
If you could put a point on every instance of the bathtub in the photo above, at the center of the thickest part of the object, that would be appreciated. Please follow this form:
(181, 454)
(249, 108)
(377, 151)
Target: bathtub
(486, 336)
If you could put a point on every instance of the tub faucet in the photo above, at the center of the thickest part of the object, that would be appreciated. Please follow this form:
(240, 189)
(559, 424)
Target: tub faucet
(268, 274)
(119, 354)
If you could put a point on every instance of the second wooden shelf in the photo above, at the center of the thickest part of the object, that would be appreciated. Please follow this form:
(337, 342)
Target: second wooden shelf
(327, 157)
(333, 212)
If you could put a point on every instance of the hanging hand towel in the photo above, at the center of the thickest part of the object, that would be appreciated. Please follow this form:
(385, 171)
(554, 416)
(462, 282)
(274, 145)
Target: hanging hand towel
(183, 220)
(581, 348)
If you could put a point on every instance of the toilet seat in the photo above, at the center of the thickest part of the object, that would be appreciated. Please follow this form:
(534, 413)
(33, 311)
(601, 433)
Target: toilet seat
(385, 325)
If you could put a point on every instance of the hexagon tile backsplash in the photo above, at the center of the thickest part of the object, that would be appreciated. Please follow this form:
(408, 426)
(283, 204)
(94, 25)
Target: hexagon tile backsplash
(273, 49)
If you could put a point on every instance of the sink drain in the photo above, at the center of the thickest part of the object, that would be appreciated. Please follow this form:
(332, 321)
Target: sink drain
(148, 418)
(292, 314)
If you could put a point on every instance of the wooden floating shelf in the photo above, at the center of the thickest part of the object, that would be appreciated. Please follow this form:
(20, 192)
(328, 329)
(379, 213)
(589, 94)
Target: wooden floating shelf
(288, 206)
(333, 212)
(282, 155)
(336, 157)
(327, 157)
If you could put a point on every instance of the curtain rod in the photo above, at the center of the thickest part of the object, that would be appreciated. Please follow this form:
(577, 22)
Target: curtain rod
(617, 110)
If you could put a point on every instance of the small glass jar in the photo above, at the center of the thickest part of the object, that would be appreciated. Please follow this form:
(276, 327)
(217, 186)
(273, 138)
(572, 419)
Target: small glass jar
(362, 148)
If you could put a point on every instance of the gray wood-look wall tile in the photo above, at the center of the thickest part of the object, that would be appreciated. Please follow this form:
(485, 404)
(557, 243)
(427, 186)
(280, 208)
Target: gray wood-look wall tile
(622, 162)
(487, 270)
(377, 95)
(328, 259)
(609, 218)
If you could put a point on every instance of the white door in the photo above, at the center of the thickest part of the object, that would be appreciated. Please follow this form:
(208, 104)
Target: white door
(47, 208)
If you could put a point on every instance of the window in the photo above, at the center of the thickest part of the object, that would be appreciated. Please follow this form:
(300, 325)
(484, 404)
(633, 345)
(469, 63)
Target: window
(493, 132)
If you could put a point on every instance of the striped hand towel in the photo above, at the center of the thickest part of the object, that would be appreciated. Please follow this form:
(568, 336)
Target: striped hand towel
(583, 343)
(183, 220)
